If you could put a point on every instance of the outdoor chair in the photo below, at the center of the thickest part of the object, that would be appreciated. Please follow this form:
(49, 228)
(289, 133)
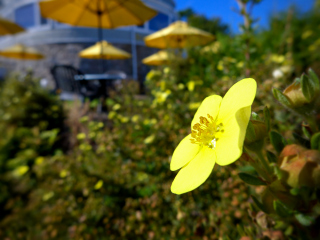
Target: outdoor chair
(69, 87)
(116, 84)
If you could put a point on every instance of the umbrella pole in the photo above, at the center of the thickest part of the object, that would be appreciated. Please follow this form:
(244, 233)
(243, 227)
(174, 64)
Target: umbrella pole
(100, 38)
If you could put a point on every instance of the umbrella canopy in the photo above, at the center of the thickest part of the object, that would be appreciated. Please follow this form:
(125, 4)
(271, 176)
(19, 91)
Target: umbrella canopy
(178, 35)
(104, 50)
(159, 58)
(97, 13)
(7, 27)
(21, 52)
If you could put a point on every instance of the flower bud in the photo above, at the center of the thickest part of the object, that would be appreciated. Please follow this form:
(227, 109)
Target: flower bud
(302, 168)
(295, 95)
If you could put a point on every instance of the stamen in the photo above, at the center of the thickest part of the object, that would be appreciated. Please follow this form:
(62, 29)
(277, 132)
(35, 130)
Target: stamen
(204, 133)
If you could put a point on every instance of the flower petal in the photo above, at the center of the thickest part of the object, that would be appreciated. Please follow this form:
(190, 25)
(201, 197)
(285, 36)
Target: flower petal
(195, 172)
(210, 105)
(230, 143)
(239, 95)
(184, 153)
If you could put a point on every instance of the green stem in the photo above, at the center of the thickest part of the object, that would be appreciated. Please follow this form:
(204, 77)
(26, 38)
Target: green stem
(312, 124)
(262, 171)
(264, 162)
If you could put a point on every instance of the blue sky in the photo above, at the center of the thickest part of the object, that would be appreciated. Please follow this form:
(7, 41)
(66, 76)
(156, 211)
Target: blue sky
(223, 9)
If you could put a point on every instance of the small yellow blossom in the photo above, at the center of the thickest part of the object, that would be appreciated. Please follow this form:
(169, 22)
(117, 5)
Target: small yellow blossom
(162, 96)
(20, 171)
(84, 119)
(191, 85)
(217, 136)
(181, 86)
(153, 75)
(153, 121)
(47, 196)
(220, 65)
(39, 160)
(193, 106)
(112, 114)
(277, 58)
(214, 48)
(135, 118)
(163, 85)
(149, 139)
(240, 64)
(116, 107)
(146, 121)
(81, 136)
(166, 70)
(98, 185)
(124, 119)
(63, 173)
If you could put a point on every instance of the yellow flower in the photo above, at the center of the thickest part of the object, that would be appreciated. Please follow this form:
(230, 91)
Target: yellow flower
(218, 132)
(135, 118)
(81, 136)
(98, 185)
(116, 107)
(39, 160)
(20, 171)
(63, 173)
(194, 106)
(191, 86)
(277, 58)
(149, 139)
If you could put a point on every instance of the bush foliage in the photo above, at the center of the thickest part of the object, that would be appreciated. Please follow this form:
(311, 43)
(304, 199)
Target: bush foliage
(112, 179)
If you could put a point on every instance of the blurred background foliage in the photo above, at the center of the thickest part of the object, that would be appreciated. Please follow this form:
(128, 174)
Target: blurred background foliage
(68, 173)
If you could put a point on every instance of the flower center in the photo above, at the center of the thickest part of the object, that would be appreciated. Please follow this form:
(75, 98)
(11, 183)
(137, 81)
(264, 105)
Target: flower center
(204, 133)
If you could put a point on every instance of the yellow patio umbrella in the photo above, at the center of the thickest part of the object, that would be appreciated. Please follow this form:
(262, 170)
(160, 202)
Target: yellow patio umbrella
(97, 13)
(22, 52)
(7, 27)
(178, 35)
(104, 50)
(159, 58)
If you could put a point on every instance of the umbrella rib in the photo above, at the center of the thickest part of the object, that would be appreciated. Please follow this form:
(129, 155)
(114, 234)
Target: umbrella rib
(121, 4)
(86, 6)
(109, 16)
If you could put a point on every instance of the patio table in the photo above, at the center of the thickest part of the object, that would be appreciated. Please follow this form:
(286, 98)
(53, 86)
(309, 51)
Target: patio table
(105, 81)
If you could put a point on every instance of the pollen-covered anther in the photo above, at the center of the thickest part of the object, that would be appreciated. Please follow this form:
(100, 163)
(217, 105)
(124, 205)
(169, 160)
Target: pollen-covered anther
(204, 121)
(203, 133)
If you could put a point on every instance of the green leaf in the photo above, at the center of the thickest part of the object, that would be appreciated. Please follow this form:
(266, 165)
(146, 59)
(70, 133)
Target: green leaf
(250, 134)
(255, 116)
(307, 87)
(259, 204)
(304, 220)
(315, 141)
(250, 179)
(281, 97)
(267, 118)
(272, 158)
(281, 209)
(302, 141)
(306, 132)
(277, 141)
(314, 78)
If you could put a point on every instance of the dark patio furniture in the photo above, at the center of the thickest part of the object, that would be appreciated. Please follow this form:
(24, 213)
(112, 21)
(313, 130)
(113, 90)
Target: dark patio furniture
(64, 76)
(106, 81)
